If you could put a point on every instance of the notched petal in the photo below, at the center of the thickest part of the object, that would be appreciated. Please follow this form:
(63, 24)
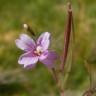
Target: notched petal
(20, 44)
(28, 58)
(44, 40)
(50, 58)
(29, 66)
(25, 43)
(27, 39)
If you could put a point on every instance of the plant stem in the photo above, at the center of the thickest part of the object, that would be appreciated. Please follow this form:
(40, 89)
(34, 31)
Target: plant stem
(62, 93)
(55, 75)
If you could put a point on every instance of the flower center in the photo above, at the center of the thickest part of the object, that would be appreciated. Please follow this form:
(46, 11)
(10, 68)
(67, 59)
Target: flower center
(38, 50)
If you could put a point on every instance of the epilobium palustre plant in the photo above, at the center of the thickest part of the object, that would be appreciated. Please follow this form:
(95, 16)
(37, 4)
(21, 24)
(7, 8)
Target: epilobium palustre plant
(35, 51)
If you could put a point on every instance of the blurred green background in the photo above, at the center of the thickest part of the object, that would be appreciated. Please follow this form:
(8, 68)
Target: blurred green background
(46, 15)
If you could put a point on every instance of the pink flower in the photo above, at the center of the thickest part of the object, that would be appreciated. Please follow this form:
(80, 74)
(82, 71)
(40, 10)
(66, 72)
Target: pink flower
(36, 51)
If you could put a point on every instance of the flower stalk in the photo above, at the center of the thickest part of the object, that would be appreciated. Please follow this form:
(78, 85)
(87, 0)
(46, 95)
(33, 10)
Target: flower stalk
(55, 75)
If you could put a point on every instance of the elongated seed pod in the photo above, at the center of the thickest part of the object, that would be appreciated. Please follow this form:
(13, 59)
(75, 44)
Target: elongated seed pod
(67, 37)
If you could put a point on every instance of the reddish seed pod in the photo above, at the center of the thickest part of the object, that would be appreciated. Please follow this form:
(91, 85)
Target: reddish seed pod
(67, 37)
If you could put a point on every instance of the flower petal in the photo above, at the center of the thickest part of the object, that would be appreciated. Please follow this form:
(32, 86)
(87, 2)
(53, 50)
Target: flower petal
(49, 63)
(30, 66)
(44, 40)
(44, 55)
(25, 43)
(28, 59)
(48, 58)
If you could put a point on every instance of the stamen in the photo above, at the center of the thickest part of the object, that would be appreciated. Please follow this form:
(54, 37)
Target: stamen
(38, 50)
